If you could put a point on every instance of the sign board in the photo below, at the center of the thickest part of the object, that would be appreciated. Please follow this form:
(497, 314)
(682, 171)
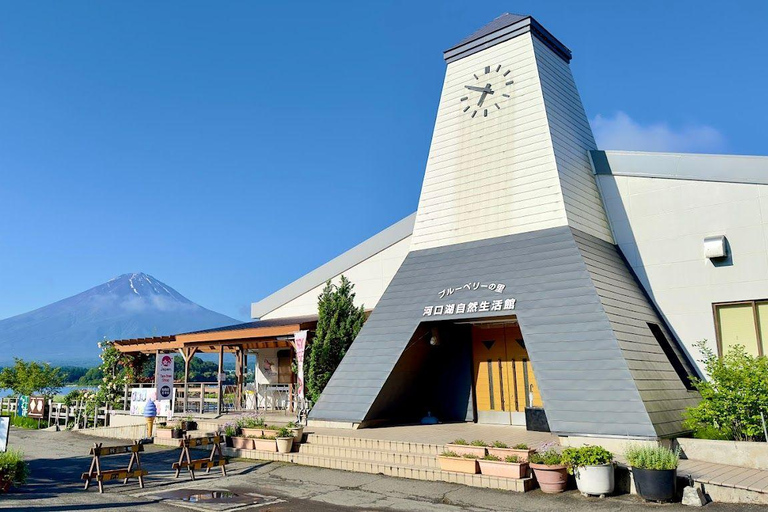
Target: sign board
(164, 376)
(492, 303)
(300, 345)
(5, 425)
(22, 406)
(140, 397)
(36, 407)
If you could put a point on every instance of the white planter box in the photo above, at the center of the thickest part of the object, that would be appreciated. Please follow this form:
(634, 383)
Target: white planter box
(595, 480)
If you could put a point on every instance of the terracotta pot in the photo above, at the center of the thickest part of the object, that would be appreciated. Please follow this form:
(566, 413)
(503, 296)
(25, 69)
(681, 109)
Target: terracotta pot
(458, 464)
(164, 433)
(284, 444)
(552, 479)
(503, 469)
(466, 449)
(503, 453)
(269, 432)
(242, 443)
(265, 445)
(252, 432)
(298, 434)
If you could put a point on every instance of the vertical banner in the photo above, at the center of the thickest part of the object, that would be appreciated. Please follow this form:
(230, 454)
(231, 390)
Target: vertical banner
(164, 376)
(300, 345)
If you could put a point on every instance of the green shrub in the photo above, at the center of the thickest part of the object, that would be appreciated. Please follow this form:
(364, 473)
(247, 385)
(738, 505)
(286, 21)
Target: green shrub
(513, 459)
(521, 446)
(284, 432)
(733, 397)
(492, 457)
(586, 456)
(460, 442)
(449, 453)
(549, 458)
(13, 466)
(478, 442)
(250, 421)
(499, 444)
(652, 457)
(470, 456)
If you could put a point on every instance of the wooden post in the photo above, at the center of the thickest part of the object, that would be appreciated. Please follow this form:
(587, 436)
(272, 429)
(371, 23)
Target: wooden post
(219, 378)
(125, 398)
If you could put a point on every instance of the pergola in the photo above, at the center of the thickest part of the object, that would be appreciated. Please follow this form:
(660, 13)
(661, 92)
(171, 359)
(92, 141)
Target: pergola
(237, 339)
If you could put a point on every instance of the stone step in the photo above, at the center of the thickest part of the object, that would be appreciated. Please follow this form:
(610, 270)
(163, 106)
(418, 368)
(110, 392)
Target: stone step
(382, 445)
(370, 454)
(402, 471)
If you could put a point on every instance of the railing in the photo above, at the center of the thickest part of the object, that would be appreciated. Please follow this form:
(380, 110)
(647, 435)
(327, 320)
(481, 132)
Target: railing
(81, 414)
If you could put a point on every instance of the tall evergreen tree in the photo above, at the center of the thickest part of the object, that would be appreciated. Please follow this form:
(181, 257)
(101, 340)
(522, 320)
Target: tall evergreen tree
(338, 323)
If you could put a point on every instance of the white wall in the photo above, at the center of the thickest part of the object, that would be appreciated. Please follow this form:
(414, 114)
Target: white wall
(370, 277)
(660, 225)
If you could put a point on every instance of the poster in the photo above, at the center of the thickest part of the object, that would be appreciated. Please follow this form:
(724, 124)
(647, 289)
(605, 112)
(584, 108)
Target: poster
(36, 407)
(140, 397)
(5, 425)
(300, 345)
(164, 376)
(22, 406)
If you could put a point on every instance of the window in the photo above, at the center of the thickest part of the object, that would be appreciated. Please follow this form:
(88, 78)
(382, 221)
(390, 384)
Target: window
(674, 360)
(742, 323)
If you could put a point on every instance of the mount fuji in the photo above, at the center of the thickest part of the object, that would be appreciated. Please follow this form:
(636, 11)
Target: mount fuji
(128, 306)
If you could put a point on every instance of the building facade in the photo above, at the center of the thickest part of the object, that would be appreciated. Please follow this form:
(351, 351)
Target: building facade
(541, 280)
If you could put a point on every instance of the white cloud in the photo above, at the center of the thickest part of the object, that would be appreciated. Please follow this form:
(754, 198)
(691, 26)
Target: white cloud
(623, 132)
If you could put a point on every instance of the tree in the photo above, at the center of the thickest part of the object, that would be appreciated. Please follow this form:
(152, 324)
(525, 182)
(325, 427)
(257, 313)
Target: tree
(31, 378)
(338, 322)
(118, 369)
(733, 397)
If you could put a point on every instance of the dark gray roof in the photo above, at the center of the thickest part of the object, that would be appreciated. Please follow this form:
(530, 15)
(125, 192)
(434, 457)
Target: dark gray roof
(260, 323)
(502, 21)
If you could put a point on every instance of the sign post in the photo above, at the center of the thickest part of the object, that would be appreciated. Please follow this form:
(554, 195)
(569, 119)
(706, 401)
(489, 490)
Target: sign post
(164, 376)
(300, 345)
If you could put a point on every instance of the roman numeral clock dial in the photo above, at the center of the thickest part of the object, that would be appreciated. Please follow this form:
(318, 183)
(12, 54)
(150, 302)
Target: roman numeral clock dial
(487, 92)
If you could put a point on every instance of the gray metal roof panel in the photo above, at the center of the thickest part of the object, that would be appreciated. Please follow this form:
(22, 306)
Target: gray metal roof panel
(260, 323)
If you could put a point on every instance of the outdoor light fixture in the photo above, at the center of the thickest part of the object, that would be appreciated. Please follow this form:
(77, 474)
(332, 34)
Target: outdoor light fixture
(434, 340)
(715, 247)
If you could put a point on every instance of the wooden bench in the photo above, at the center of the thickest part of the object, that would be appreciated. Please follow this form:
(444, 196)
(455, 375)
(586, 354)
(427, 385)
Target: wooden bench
(96, 473)
(186, 460)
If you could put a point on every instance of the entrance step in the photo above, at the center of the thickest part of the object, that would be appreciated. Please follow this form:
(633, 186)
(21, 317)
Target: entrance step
(392, 458)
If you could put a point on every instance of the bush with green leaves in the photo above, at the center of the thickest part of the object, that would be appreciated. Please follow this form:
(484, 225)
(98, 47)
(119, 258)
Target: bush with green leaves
(652, 457)
(492, 458)
(586, 456)
(521, 446)
(284, 432)
(449, 453)
(550, 457)
(512, 459)
(460, 442)
(479, 443)
(732, 398)
(499, 444)
(31, 378)
(250, 421)
(13, 467)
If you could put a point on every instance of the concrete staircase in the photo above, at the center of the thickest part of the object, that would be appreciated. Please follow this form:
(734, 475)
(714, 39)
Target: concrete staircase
(392, 458)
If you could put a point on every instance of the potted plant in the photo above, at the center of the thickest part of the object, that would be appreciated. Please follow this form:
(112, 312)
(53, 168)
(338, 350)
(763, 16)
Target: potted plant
(509, 467)
(270, 431)
(501, 450)
(265, 443)
(284, 440)
(452, 461)
(549, 469)
(188, 424)
(164, 432)
(241, 442)
(462, 447)
(593, 468)
(654, 470)
(177, 432)
(251, 425)
(230, 431)
(13, 469)
(298, 431)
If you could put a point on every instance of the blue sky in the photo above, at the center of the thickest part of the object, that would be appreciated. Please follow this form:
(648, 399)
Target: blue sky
(227, 148)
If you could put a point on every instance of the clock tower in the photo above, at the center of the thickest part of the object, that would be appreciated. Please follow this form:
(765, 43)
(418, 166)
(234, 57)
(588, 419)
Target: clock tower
(510, 143)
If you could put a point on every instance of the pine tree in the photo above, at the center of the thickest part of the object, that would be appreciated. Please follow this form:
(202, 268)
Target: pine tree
(338, 323)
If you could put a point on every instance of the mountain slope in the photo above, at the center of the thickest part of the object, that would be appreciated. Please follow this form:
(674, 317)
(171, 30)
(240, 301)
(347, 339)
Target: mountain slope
(128, 306)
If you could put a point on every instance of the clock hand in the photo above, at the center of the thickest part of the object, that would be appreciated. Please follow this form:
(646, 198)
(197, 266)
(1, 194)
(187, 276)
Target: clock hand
(478, 89)
(486, 91)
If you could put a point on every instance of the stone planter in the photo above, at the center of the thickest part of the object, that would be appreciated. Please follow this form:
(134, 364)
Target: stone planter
(466, 449)
(503, 469)
(265, 445)
(655, 484)
(458, 464)
(595, 480)
(252, 432)
(734, 453)
(284, 444)
(503, 453)
(552, 479)
(298, 434)
(242, 443)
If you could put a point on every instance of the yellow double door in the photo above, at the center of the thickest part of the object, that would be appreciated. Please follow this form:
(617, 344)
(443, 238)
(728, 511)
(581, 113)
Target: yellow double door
(504, 381)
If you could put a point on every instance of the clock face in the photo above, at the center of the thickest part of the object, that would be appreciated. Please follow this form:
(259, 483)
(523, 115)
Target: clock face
(487, 92)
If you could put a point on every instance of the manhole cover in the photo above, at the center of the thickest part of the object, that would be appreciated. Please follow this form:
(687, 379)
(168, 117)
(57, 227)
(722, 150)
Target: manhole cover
(215, 500)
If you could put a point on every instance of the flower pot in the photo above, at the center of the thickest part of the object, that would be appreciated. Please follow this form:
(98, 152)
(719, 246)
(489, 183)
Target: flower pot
(189, 425)
(466, 449)
(503, 469)
(228, 441)
(5, 482)
(595, 480)
(655, 484)
(552, 479)
(503, 453)
(298, 434)
(458, 464)
(242, 443)
(269, 432)
(252, 432)
(284, 444)
(265, 445)
(177, 434)
(164, 433)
